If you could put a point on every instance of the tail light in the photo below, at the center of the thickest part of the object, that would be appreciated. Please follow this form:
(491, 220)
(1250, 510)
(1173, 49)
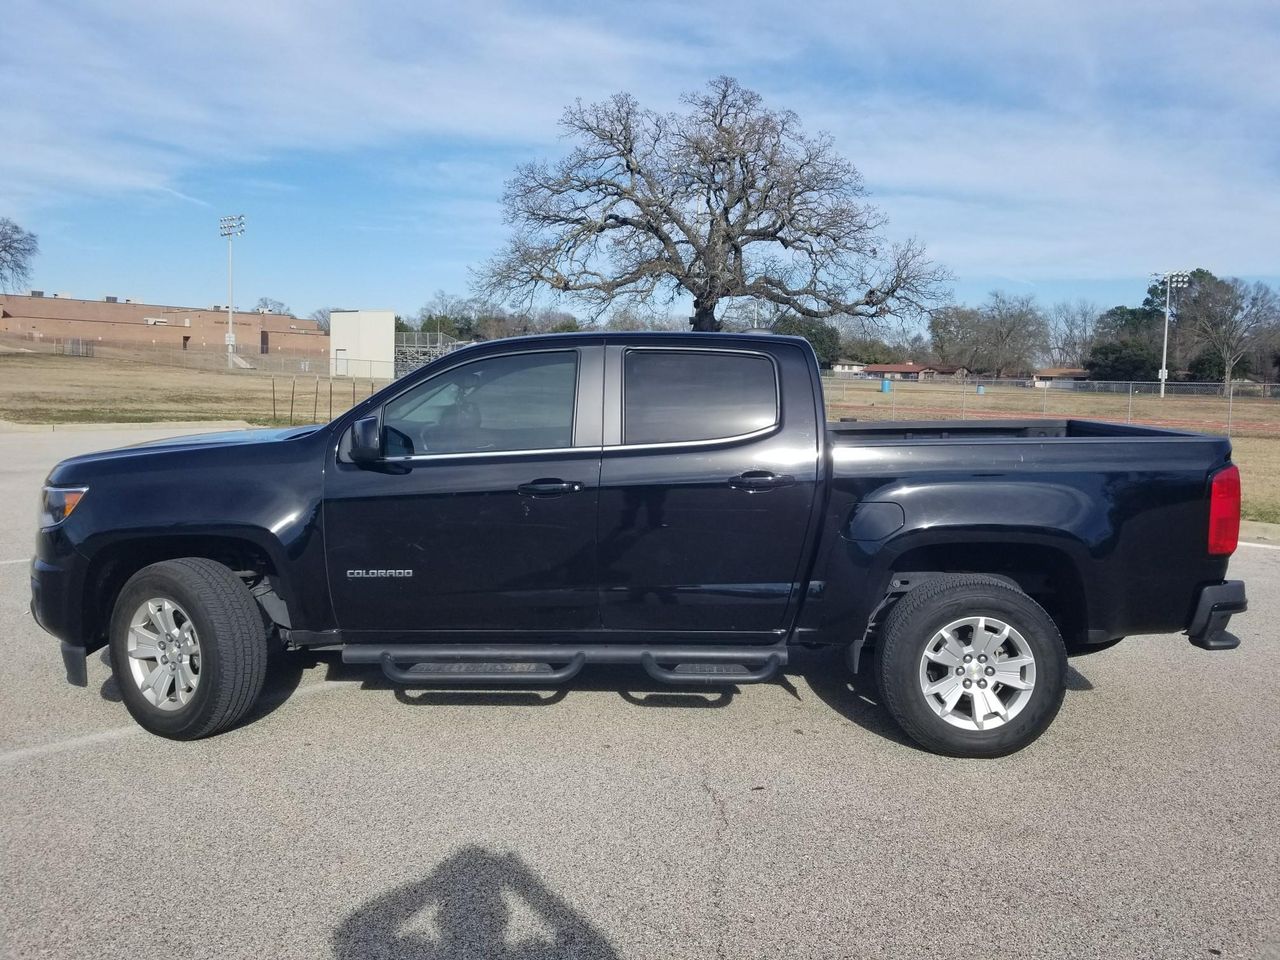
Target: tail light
(1224, 511)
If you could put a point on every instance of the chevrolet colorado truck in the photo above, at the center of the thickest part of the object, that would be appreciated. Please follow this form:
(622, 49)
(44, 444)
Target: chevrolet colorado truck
(520, 508)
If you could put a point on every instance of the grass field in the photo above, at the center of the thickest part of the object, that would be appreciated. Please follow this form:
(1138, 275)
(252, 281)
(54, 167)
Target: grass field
(45, 388)
(1249, 415)
(1259, 462)
(42, 388)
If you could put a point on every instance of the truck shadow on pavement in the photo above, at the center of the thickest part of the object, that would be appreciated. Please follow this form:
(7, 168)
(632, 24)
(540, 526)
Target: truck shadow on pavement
(855, 696)
(285, 671)
(627, 681)
(822, 671)
(463, 909)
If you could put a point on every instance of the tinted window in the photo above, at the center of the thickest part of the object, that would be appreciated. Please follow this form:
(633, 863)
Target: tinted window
(519, 402)
(673, 396)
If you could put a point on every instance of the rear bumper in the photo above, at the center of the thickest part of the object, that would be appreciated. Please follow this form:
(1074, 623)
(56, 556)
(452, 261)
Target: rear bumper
(1214, 608)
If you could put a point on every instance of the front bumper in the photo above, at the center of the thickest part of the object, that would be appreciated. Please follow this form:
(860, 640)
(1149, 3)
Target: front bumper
(54, 607)
(1216, 604)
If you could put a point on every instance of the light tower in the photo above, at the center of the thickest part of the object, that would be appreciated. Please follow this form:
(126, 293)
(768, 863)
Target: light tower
(231, 227)
(1179, 279)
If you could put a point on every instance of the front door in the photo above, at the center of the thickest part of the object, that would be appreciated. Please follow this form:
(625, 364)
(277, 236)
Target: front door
(483, 515)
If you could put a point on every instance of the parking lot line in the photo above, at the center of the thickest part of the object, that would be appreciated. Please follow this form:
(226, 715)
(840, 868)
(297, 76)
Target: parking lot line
(20, 754)
(19, 560)
(58, 746)
(1260, 546)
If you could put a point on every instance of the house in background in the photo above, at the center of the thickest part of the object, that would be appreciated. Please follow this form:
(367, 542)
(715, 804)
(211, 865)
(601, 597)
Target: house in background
(848, 366)
(915, 371)
(1049, 376)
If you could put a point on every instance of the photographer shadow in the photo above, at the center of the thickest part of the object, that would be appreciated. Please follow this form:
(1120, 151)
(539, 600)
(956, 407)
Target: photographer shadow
(468, 896)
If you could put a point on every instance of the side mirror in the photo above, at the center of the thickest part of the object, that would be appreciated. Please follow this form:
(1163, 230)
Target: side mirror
(366, 440)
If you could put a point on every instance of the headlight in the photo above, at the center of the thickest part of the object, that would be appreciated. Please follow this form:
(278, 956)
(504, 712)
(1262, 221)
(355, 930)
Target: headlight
(57, 503)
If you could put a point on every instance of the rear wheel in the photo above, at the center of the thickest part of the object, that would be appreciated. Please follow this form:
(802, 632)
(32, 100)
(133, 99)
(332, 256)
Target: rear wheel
(970, 666)
(188, 648)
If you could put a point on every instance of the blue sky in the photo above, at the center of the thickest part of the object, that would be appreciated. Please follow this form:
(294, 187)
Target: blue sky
(1061, 149)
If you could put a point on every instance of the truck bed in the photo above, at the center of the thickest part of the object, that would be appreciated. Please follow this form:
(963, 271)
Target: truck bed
(1123, 506)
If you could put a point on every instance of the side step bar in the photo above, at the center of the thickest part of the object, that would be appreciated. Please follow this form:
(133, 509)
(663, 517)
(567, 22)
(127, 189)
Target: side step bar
(516, 663)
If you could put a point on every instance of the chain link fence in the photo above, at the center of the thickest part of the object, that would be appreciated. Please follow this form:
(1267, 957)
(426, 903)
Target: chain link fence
(246, 358)
(1243, 408)
(412, 350)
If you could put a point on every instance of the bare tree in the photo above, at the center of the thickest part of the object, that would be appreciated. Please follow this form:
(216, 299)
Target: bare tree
(728, 199)
(626, 318)
(629, 316)
(1070, 332)
(18, 248)
(1227, 316)
(956, 336)
(752, 314)
(321, 317)
(1014, 332)
(273, 306)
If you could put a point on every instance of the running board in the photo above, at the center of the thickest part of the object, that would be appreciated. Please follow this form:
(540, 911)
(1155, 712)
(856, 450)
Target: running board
(519, 663)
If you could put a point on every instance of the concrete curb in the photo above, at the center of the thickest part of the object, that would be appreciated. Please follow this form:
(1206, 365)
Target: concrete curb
(1260, 532)
(7, 427)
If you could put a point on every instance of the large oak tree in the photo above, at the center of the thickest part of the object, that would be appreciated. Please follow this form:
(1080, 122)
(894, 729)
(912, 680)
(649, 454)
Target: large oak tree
(726, 199)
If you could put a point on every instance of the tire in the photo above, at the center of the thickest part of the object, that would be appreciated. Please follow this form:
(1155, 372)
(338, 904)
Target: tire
(216, 678)
(973, 727)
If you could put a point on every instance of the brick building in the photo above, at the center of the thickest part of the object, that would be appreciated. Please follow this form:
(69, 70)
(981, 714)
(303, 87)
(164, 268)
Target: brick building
(123, 323)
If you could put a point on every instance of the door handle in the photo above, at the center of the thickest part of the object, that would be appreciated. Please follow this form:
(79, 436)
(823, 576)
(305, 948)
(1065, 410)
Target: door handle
(548, 487)
(757, 481)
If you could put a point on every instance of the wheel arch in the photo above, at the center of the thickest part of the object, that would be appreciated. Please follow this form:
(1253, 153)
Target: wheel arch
(251, 557)
(1048, 572)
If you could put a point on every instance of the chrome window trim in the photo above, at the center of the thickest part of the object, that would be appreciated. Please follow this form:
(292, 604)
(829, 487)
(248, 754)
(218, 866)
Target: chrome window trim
(550, 451)
(578, 364)
(474, 454)
(714, 441)
(671, 444)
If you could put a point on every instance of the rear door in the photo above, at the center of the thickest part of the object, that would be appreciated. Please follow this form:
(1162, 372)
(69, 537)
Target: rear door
(708, 479)
(482, 517)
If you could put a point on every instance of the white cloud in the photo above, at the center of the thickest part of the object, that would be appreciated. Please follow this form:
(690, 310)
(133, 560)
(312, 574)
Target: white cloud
(1051, 139)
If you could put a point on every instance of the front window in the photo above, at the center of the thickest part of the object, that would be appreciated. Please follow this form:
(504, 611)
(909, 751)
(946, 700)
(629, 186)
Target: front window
(516, 402)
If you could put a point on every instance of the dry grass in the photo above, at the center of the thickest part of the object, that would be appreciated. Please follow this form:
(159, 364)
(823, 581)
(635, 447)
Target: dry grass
(40, 388)
(1249, 415)
(1259, 462)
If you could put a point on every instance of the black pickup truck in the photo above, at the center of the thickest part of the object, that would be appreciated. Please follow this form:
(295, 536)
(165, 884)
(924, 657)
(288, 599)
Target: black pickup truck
(520, 508)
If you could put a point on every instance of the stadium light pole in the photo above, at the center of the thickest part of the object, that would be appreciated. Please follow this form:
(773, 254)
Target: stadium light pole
(1174, 278)
(231, 227)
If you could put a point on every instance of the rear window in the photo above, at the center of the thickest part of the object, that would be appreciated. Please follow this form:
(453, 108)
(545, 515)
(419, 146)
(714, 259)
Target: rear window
(672, 396)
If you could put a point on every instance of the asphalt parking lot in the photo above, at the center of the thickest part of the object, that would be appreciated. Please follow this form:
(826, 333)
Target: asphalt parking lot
(612, 818)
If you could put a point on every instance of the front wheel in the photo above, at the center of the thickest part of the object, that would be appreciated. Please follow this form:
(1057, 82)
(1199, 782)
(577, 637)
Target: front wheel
(188, 648)
(970, 666)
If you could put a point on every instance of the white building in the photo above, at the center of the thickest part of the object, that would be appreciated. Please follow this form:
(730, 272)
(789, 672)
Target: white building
(848, 366)
(362, 343)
